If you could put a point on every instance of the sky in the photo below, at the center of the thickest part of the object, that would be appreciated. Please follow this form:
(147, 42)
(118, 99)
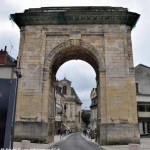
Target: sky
(83, 80)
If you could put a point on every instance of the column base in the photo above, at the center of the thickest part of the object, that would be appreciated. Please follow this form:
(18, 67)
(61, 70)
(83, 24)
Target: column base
(37, 132)
(118, 134)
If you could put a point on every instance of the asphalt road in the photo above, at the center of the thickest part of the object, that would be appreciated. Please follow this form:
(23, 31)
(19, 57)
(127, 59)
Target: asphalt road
(75, 142)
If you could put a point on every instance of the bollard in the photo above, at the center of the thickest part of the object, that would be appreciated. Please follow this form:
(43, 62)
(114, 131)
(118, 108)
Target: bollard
(134, 147)
(25, 144)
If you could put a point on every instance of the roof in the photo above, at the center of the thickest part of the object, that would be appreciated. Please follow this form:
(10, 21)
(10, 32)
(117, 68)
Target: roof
(77, 99)
(141, 65)
(75, 15)
(65, 80)
(11, 62)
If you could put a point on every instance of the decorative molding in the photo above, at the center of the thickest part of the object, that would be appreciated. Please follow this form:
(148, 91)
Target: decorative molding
(29, 118)
(75, 15)
(68, 34)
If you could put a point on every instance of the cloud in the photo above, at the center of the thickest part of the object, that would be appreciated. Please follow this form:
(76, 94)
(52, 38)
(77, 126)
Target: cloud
(82, 76)
(7, 7)
(141, 35)
(9, 37)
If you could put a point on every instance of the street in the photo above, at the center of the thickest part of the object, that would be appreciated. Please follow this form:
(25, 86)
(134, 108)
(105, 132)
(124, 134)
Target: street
(75, 142)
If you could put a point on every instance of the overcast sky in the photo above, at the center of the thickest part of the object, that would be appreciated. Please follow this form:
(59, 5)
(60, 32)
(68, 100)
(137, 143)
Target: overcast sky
(83, 77)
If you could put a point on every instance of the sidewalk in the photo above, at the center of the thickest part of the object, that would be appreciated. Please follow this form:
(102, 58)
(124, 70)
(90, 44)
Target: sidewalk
(17, 145)
(145, 145)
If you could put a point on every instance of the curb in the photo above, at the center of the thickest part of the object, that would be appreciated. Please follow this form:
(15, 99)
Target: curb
(52, 144)
(88, 139)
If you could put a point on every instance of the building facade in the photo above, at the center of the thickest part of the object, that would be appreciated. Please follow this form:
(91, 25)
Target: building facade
(93, 106)
(7, 65)
(59, 111)
(142, 81)
(71, 110)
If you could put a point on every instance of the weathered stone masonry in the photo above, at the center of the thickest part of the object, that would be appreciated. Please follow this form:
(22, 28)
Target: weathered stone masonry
(100, 36)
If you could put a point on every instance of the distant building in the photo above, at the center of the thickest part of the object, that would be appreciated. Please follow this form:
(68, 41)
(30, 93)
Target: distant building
(7, 65)
(93, 119)
(72, 105)
(59, 111)
(142, 81)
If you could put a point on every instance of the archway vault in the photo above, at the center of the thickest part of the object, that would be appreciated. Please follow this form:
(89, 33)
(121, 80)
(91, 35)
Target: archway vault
(74, 49)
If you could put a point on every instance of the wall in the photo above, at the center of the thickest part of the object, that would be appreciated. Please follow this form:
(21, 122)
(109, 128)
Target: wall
(142, 76)
(6, 72)
(43, 47)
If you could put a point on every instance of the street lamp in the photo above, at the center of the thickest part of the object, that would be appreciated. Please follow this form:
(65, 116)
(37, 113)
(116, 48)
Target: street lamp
(18, 72)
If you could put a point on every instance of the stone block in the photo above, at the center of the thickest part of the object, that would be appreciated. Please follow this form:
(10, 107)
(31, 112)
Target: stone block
(134, 147)
(25, 144)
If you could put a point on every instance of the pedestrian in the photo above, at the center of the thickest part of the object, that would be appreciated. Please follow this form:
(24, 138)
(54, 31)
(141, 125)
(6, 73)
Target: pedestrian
(65, 131)
(58, 131)
(84, 132)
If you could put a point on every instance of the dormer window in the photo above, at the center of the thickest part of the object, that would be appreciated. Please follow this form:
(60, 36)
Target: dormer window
(58, 89)
(64, 90)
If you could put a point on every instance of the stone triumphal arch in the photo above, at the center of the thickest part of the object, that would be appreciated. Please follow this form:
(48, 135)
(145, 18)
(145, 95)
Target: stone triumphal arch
(100, 36)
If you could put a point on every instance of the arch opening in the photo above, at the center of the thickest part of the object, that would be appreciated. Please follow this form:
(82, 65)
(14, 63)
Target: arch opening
(77, 52)
(77, 79)
(82, 77)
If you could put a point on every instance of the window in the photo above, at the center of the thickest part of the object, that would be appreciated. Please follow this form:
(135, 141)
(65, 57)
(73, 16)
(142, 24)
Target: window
(58, 89)
(64, 90)
(137, 87)
(65, 107)
(144, 108)
(79, 116)
(141, 108)
(148, 108)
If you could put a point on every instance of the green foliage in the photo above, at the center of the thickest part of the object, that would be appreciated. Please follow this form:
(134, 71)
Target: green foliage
(85, 118)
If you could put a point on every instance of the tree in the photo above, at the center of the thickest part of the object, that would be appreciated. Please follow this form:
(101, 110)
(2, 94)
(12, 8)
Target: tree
(85, 116)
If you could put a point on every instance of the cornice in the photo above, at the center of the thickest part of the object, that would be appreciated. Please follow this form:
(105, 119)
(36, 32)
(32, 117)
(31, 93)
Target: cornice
(75, 15)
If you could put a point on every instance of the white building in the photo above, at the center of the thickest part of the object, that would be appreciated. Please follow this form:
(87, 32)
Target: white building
(93, 119)
(72, 105)
(142, 79)
(59, 111)
(7, 65)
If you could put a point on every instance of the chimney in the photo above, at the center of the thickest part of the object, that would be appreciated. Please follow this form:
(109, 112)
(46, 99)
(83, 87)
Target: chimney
(3, 56)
